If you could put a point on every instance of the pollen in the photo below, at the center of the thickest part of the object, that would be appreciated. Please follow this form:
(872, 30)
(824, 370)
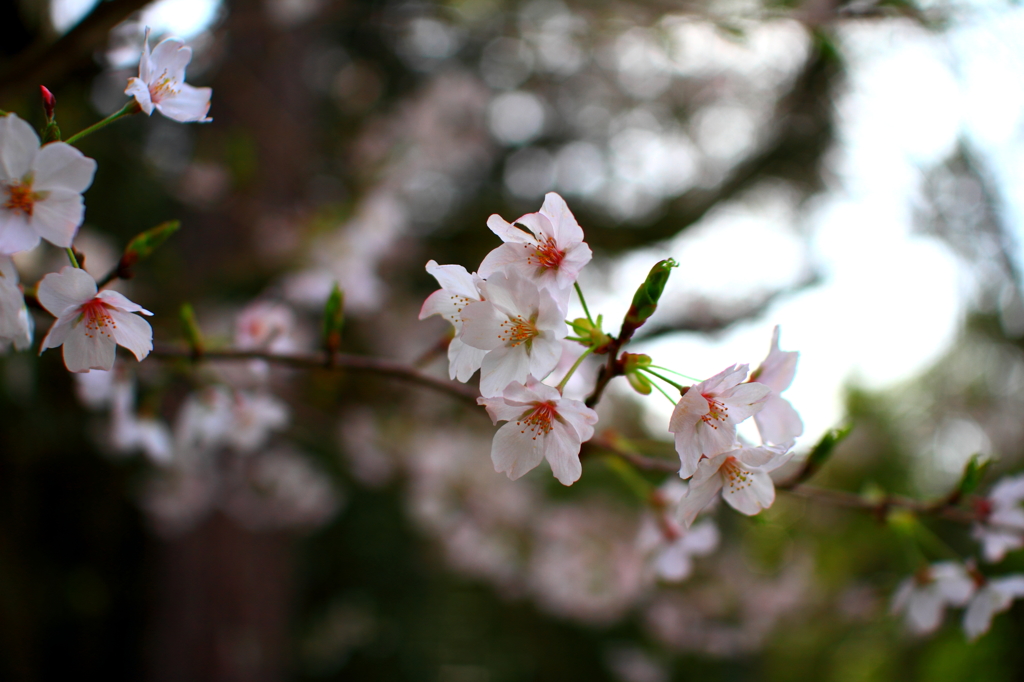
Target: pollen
(162, 88)
(736, 476)
(717, 412)
(538, 422)
(21, 198)
(98, 321)
(546, 255)
(517, 330)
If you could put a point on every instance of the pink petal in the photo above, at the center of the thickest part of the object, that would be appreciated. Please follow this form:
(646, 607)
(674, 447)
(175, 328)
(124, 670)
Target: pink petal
(169, 59)
(58, 333)
(507, 233)
(564, 226)
(697, 497)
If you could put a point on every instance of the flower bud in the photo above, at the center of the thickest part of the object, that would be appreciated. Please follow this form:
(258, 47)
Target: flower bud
(645, 300)
(49, 102)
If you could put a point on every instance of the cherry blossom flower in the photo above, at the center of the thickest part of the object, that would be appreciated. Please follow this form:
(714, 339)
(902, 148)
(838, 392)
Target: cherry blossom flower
(742, 476)
(670, 545)
(458, 289)
(130, 432)
(219, 417)
(161, 83)
(924, 596)
(552, 252)
(519, 325)
(994, 596)
(541, 424)
(91, 325)
(704, 421)
(777, 421)
(1003, 529)
(15, 322)
(40, 188)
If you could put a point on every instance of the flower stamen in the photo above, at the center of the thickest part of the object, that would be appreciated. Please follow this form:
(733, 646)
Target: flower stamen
(538, 421)
(517, 330)
(22, 198)
(546, 255)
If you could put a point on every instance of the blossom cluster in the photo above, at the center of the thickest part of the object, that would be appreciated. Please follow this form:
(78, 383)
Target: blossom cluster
(41, 188)
(711, 454)
(509, 320)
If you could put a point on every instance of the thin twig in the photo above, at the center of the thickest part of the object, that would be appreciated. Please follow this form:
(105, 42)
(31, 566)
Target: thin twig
(358, 363)
(840, 498)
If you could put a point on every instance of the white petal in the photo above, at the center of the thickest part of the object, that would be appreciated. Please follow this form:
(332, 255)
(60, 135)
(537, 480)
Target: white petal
(562, 450)
(513, 452)
(481, 326)
(544, 354)
(69, 288)
(61, 166)
(778, 421)
(454, 279)
(57, 217)
(924, 611)
(581, 417)
(168, 60)
(140, 91)
(744, 400)
(499, 410)
(501, 367)
(758, 493)
(509, 254)
(188, 105)
(507, 233)
(132, 332)
(978, 617)
(697, 497)
(58, 333)
(463, 360)
(564, 226)
(15, 233)
(114, 299)
(18, 147)
(82, 353)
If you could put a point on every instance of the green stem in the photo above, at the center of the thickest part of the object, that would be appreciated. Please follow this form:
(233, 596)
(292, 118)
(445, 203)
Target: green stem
(583, 302)
(672, 371)
(664, 393)
(131, 108)
(71, 257)
(665, 379)
(572, 370)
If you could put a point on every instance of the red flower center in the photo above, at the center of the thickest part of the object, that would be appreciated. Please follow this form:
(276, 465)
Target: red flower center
(717, 412)
(21, 198)
(547, 255)
(538, 421)
(97, 319)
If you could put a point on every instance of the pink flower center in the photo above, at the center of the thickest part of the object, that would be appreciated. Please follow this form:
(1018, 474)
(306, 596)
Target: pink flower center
(97, 319)
(22, 198)
(547, 255)
(538, 421)
(516, 330)
(161, 88)
(717, 412)
(735, 475)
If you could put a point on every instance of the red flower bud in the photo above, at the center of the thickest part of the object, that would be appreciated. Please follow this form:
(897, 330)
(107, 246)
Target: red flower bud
(49, 102)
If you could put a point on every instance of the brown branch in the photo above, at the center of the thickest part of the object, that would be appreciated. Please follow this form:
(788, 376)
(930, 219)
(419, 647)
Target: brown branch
(841, 498)
(357, 363)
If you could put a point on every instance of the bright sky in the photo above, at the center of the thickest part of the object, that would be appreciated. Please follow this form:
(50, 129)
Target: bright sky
(180, 18)
(892, 301)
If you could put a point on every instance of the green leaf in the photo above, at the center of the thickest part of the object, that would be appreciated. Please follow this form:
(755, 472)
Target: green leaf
(974, 472)
(143, 245)
(334, 319)
(645, 300)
